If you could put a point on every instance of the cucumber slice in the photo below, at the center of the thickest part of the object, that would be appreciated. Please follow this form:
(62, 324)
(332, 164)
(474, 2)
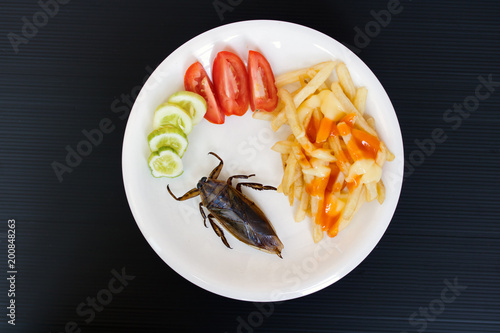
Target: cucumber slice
(191, 102)
(168, 136)
(165, 163)
(172, 114)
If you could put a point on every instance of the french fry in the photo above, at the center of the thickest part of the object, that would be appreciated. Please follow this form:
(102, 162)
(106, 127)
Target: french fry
(381, 156)
(323, 154)
(297, 176)
(361, 200)
(303, 80)
(287, 181)
(342, 160)
(344, 222)
(371, 191)
(307, 119)
(352, 202)
(346, 81)
(390, 156)
(291, 196)
(264, 115)
(291, 77)
(371, 122)
(360, 100)
(381, 191)
(312, 73)
(283, 147)
(293, 120)
(307, 107)
(307, 181)
(309, 165)
(298, 188)
(304, 203)
(300, 157)
(317, 115)
(278, 121)
(317, 233)
(314, 84)
(284, 158)
(348, 107)
(318, 171)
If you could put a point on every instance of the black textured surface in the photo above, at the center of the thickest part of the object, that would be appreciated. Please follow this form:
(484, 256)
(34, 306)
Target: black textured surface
(71, 234)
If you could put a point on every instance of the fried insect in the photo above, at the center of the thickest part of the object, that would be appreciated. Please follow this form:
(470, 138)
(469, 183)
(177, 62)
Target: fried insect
(234, 211)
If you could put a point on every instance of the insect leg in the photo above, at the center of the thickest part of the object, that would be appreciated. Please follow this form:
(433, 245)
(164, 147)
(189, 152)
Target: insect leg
(255, 186)
(218, 230)
(215, 172)
(203, 215)
(230, 179)
(190, 194)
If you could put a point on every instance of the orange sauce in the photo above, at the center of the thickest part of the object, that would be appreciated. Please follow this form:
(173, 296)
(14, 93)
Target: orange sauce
(361, 145)
(332, 181)
(354, 151)
(327, 215)
(312, 129)
(325, 188)
(333, 229)
(334, 131)
(354, 183)
(317, 187)
(349, 119)
(324, 129)
(343, 128)
(367, 143)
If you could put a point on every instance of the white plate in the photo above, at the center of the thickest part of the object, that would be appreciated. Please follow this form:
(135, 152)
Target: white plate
(175, 229)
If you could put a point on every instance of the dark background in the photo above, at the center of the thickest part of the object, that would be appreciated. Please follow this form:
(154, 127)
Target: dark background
(72, 234)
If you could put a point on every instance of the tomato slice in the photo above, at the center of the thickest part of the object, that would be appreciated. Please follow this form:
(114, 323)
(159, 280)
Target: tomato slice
(231, 83)
(197, 80)
(263, 92)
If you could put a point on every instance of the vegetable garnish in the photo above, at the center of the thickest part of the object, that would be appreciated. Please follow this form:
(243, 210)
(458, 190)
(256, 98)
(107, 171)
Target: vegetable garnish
(165, 163)
(168, 136)
(263, 92)
(172, 114)
(172, 122)
(333, 159)
(231, 83)
(196, 80)
(191, 102)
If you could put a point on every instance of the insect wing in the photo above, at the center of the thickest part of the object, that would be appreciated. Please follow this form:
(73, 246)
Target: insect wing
(244, 220)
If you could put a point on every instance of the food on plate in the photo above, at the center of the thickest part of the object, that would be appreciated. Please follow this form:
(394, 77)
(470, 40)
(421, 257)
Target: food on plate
(233, 88)
(263, 92)
(196, 80)
(172, 122)
(234, 211)
(231, 83)
(172, 114)
(165, 163)
(168, 136)
(333, 159)
(191, 102)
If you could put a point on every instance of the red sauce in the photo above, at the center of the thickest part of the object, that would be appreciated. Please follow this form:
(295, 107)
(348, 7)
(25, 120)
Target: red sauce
(312, 129)
(317, 187)
(368, 144)
(349, 119)
(361, 145)
(354, 183)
